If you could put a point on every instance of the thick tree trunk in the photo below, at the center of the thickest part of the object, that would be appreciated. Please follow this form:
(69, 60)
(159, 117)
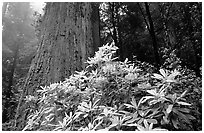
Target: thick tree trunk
(69, 34)
(152, 33)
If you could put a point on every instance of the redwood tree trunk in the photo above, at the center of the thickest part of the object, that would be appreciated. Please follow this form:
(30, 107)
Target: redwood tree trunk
(69, 34)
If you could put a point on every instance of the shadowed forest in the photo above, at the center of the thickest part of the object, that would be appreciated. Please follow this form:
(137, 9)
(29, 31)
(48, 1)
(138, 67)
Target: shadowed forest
(103, 66)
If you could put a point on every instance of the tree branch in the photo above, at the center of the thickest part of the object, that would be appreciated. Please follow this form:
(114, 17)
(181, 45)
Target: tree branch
(148, 27)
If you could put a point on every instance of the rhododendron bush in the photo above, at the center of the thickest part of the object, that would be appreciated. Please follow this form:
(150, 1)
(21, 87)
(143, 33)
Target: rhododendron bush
(114, 95)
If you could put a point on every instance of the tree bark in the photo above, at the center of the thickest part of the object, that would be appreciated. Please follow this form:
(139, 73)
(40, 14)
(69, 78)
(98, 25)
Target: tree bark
(112, 8)
(116, 29)
(120, 42)
(152, 33)
(69, 34)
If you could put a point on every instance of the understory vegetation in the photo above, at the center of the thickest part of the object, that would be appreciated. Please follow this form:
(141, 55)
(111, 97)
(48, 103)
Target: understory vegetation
(146, 76)
(114, 95)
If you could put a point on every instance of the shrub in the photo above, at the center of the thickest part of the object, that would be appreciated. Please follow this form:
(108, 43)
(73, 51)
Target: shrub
(113, 95)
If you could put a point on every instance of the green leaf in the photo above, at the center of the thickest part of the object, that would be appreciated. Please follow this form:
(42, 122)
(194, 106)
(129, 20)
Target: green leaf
(170, 80)
(182, 116)
(145, 123)
(184, 93)
(157, 76)
(140, 121)
(133, 102)
(184, 103)
(169, 109)
(164, 120)
(152, 92)
(140, 128)
(130, 121)
(131, 125)
(85, 115)
(48, 110)
(95, 103)
(129, 106)
(162, 72)
(97, 125)
(175, 123)
(105, 112)
(190, 117)
(154, 121)
(159, 129)
(77, 115)
(173, 75)
(185, 110)
(150, 126)
(144, 99)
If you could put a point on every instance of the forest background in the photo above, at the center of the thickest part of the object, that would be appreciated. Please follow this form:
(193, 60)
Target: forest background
(160, 35)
